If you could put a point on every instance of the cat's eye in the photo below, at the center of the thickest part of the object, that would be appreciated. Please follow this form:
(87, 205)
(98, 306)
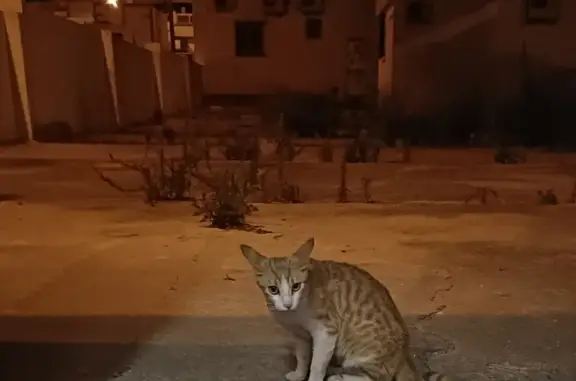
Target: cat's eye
(296, 287)
(273, 290)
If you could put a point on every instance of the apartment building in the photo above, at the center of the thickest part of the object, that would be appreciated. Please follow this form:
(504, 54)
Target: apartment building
(435, 53)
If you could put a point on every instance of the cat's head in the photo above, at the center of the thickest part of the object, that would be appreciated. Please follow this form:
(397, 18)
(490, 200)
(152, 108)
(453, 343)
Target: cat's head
(282, 279)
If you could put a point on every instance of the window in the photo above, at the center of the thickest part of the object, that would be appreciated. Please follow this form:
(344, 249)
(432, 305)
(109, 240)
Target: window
(224, 6)
(183, 19)
(382, 34)
(542, 11)
(419, 12)
(313, 28)
(181, 44)
(249, 38)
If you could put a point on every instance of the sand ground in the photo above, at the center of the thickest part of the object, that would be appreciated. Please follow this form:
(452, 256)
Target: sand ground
(98, 286)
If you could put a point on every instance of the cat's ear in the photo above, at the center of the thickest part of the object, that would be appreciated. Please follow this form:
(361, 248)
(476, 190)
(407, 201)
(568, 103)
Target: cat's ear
(303, 253)
(252, 256)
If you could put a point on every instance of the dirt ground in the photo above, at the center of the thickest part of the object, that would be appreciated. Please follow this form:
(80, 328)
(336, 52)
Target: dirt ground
(98, 286)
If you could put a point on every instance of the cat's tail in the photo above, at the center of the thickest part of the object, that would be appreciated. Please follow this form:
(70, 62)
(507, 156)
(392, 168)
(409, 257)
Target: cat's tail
(434, 376)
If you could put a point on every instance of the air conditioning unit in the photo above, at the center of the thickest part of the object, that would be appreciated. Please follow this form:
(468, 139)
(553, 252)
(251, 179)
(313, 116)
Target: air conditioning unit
(275, 7)
(183, 19)
(184, 45)
(311, 7)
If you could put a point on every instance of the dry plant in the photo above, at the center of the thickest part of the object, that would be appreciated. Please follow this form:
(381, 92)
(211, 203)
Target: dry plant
(509, 155)
(289, 193)
(285, 147)
(362, 149)
(163, 179)
(224, 204)
(285, 151)
(343, 188)
(237, 147)
(482, 194)
(547, 198)
(366, 187)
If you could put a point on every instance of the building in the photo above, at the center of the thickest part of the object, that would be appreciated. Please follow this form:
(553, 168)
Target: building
(268, 46)
(434, 55)
(253, 46)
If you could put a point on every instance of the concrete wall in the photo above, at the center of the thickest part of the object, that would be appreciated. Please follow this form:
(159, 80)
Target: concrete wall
(67, 75)
(196, 89)
(291, 61)
(138, 98)
(60, 79)
(12, 124)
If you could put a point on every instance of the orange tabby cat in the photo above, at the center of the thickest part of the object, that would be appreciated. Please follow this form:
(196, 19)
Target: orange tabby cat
(336, 310)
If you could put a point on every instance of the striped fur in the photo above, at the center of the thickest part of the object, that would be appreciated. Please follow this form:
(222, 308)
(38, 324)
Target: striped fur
(338, 314)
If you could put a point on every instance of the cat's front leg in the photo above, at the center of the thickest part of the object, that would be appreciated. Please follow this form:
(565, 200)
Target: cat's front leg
(323, 345)
(303, 352)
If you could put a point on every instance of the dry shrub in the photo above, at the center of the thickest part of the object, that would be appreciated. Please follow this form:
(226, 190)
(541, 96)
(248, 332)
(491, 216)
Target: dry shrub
(239, 147)
(224, 203)
(343, 188)
(367, 190)
(363, 149)
(547, 197)
(163, 179)
(509, 155)
(286, 149)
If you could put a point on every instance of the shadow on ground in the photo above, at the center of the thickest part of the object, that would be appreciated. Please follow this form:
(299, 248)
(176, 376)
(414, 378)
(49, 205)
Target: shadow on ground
(474, 348)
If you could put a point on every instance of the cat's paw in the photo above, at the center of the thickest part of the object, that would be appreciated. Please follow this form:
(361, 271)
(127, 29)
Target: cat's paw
(295, 376)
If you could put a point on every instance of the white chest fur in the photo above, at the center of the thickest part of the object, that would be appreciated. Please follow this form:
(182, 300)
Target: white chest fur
(299, 321)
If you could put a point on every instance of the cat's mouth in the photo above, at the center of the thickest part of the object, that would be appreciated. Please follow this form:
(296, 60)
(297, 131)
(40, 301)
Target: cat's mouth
(282, 308)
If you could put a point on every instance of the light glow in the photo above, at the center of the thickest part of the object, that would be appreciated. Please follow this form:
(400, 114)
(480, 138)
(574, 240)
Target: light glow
(112, 3)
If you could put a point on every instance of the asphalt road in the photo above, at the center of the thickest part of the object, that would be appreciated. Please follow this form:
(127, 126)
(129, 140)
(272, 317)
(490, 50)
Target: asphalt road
(476, 349)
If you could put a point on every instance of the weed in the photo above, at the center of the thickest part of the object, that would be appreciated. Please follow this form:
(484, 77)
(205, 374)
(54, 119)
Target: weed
(366, 186)
(343, 188)
(547, 198)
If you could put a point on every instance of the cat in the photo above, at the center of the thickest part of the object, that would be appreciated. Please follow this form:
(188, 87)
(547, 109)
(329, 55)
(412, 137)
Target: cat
(336, 311)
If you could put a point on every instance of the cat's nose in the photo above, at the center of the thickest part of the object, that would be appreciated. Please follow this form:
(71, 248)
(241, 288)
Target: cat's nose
(287, 304)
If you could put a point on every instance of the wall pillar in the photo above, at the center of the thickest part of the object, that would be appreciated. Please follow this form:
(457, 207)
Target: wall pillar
(14, 33)
(156, 57)
(110, 64)
(158, 72)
